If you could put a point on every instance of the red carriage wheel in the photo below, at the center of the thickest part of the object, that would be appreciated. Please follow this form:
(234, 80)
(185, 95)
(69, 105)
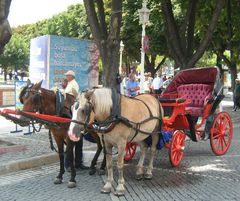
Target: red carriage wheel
(221, 133)
(176, 151)
(130, 151)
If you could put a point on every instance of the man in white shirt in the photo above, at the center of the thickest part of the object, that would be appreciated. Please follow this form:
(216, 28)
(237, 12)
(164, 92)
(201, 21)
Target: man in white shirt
(72, 86)
(157, 84)
(146, 84)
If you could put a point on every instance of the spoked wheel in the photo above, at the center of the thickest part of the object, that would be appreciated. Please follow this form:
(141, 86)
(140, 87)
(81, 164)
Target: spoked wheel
(130, 151)
(221, 133)
(176, 151)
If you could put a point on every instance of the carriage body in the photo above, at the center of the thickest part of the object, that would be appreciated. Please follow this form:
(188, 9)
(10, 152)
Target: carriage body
(190, 104)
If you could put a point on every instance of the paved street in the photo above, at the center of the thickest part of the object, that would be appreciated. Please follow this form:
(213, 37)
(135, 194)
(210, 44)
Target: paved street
(201, 176)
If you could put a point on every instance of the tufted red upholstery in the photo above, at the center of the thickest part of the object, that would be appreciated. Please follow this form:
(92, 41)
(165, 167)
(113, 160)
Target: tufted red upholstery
(198, 94)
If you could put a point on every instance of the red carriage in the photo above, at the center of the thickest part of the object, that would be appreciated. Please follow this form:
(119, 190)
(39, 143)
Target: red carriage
(190, 106)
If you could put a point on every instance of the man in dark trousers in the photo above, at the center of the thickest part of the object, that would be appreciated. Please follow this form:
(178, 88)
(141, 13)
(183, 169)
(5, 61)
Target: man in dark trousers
(72, 88)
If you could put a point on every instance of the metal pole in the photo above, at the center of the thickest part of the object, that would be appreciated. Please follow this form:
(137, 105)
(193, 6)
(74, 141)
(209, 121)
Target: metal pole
(120, 62)
(142, 60)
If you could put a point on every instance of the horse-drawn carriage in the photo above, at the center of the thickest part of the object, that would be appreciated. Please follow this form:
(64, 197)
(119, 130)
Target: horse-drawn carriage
(190, 105)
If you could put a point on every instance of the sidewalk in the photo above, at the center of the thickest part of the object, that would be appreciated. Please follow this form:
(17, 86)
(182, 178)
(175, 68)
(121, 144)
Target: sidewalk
(29, 151)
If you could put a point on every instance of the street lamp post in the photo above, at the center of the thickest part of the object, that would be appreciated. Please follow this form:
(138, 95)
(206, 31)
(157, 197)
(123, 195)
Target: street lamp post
(120, 60)
(143, 20)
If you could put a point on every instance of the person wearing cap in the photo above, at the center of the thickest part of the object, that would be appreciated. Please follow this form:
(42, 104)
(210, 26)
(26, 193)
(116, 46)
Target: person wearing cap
(72, 86)
(236, 96)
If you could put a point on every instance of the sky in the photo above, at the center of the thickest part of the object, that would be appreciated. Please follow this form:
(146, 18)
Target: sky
(30, 11)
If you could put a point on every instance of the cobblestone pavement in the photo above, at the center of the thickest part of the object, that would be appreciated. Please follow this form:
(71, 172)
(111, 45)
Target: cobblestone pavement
(201, 176)
(37, 144)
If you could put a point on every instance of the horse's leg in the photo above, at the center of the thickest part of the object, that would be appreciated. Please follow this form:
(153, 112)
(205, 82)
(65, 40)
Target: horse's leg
(70, 146)
(140, 168)
(155, 139)
(59, 140)
(101, 171)
(108, 185)
(103, 165)
(121, 152)
(95, 158)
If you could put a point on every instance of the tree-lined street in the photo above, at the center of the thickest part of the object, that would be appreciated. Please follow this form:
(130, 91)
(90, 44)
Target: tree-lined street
(137, 46)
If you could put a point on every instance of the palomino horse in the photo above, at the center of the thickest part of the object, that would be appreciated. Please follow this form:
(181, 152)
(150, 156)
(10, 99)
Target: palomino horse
(138, 118)
(37, 99)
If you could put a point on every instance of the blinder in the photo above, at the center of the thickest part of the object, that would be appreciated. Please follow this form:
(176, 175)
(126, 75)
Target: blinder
(76, 105)
(36, 98)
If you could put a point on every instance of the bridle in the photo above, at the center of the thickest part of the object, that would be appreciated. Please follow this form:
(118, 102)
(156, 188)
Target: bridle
(86, 124)
(36, 98)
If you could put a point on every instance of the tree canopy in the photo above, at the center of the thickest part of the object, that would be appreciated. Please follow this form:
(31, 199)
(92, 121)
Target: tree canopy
(191, 33)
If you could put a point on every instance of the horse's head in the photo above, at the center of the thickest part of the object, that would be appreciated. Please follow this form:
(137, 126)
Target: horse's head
(93, 105)
(82, 111)
(30, 97)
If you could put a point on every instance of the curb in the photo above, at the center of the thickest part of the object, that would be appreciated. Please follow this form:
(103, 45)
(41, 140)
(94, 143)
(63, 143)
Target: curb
(28, 163)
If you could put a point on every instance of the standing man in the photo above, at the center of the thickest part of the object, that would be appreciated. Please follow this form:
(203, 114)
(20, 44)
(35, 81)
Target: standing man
(157, 84)
(72, 86)
(132, 86)
(146, 84)
(73, 89)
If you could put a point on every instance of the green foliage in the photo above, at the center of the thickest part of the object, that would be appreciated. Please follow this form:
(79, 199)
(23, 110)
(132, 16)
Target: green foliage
(131, 30)
(73, 23)
(208, 59)
(16, 53)
(70, 23)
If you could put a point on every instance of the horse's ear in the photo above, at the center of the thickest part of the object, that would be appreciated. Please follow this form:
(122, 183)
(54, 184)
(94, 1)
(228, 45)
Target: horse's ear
(28, 82)
(88, 94)
(38, 85)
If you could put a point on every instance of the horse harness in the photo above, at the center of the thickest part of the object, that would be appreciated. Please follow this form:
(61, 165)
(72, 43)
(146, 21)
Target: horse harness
(36, 99)
(116, 117)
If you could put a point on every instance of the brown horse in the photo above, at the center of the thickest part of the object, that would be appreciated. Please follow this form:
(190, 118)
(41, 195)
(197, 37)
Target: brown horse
(37, 99)
(139, 117)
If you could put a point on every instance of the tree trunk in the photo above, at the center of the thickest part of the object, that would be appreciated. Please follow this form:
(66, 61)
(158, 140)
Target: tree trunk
(181, 48)
(111, 63)
(5, 30)
(219, 65)
(5, 74)
(233, 72)
(106, 37)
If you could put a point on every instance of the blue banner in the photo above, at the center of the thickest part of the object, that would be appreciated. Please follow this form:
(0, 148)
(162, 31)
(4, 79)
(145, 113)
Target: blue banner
(52, 56)
(19, 85)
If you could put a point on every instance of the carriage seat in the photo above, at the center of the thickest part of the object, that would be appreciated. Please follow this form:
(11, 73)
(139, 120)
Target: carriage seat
(199, 94)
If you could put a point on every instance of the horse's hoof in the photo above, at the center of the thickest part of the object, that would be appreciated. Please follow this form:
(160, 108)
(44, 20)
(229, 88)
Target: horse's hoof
(119, 193)
(92, 171)
(71, 184)
(57, 180)
(106, 191)
(148, 176)
(139, 177)
(101, 172)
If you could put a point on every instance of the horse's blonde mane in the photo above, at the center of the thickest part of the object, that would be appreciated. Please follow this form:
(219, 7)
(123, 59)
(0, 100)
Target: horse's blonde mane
(102, 101)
